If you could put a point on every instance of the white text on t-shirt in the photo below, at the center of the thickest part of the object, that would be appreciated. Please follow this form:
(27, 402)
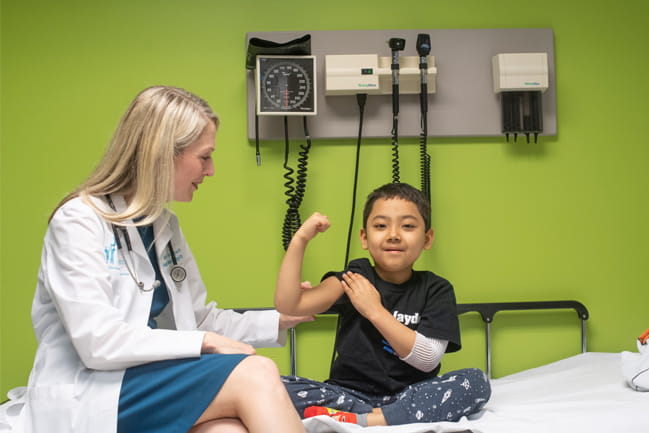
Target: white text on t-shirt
(406, 319)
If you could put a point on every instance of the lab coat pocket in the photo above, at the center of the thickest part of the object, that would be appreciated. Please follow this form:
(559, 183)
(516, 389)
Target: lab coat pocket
(52, 408)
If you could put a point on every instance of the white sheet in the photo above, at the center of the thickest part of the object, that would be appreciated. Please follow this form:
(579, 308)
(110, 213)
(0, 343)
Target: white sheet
(635, 367)
(584, 393)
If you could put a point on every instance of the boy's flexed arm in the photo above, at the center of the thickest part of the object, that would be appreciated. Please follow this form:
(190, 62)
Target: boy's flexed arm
(290, 298)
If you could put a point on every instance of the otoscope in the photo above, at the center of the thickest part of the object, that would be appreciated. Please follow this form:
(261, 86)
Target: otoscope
(396, 45)
(423, 49)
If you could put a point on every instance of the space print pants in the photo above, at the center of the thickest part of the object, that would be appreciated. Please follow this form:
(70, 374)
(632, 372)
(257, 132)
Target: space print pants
(444, 398)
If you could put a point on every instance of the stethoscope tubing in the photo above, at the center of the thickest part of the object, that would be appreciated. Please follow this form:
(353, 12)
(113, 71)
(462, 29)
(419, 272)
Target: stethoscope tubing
(178, 273)
(132, 270)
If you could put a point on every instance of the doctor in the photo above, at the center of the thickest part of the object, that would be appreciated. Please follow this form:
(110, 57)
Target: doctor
(126, 341)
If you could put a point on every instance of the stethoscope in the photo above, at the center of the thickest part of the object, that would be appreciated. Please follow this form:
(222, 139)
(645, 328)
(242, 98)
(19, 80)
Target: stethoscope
(178, 273)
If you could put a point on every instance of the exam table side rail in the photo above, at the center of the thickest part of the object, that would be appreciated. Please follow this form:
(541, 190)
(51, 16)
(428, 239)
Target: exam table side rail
(487, 311)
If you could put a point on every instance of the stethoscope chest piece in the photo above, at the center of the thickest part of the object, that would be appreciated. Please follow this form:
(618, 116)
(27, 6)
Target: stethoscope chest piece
(178, 274)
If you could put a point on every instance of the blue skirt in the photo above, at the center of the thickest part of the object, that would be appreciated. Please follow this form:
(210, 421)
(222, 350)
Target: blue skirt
(169, 396)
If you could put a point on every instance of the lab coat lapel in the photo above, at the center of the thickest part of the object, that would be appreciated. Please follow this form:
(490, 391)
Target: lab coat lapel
(141, 260)
(162, 233)
(180, 298)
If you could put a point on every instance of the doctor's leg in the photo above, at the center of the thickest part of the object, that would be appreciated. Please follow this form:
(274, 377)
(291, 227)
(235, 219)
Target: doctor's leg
(254, 393)
(224, 425)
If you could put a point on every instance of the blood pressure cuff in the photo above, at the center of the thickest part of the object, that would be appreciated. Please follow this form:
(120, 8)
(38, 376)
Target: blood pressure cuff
(635, 366)
(296, 47)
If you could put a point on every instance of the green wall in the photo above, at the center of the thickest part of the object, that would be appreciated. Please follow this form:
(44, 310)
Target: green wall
(562, 219)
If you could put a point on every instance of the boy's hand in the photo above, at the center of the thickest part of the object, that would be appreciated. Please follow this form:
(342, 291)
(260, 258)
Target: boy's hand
(363, 295)
(316, 223)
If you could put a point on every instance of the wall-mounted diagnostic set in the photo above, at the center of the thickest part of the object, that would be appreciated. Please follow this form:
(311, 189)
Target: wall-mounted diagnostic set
(461, 101)
(349, 74)
(471, 82)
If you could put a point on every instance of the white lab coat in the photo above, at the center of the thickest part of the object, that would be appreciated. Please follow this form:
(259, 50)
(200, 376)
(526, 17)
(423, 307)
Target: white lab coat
(90, 319)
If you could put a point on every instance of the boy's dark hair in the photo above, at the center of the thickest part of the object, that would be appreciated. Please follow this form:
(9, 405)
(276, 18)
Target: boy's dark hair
(402, 191)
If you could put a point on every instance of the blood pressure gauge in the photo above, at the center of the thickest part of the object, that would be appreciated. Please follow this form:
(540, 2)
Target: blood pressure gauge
(286, 85)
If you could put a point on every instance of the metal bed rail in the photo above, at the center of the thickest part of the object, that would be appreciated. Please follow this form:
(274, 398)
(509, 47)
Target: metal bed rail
(487, 311)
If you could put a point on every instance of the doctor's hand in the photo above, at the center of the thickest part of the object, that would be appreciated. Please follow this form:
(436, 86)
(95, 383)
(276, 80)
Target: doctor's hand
(215, 343)
(316, 223)
(286, 321)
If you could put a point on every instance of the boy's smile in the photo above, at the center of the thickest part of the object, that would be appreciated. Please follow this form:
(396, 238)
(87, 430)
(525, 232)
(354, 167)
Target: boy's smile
(395, 236)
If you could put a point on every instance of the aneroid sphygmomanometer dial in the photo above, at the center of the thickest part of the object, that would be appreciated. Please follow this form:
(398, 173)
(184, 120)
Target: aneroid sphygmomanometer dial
(286, 85)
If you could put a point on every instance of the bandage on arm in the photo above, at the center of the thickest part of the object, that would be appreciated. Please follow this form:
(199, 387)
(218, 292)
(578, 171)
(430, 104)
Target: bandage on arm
(426, 353)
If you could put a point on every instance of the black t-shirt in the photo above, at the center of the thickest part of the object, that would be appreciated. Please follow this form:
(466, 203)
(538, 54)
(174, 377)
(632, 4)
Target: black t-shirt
(365, 361)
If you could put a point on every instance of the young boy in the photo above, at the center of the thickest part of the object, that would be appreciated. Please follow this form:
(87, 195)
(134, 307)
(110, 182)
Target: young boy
(395, 324)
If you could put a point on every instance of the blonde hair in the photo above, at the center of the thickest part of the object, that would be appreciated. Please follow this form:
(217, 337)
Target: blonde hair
(139, 161)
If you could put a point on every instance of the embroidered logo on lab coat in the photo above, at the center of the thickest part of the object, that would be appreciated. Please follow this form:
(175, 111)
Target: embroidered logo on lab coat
(109, 252)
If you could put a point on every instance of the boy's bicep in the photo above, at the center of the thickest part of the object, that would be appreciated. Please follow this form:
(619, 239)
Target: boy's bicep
(320, 298)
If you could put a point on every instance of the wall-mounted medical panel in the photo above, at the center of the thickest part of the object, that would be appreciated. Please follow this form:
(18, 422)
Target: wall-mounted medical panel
(463, 104)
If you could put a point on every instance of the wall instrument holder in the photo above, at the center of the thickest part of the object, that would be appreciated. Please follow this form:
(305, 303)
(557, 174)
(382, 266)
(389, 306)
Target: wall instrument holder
(520, 79)
(463, 103)
(349, 74)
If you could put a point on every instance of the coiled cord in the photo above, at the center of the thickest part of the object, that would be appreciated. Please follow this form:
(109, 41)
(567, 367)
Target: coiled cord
(295, 193)
(395, 149)
(423, 49)
(303, 160)
(424, 158)
(287, 228)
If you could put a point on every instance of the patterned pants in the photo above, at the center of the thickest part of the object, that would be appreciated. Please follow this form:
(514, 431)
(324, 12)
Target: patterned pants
(445, 398)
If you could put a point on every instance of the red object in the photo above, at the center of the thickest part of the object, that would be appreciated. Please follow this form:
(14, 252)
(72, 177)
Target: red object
(644, 337)
(337, 415)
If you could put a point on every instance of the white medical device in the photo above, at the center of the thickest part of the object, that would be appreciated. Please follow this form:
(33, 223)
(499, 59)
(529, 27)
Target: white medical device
(349, 74)
(520, 79)
(520, 72)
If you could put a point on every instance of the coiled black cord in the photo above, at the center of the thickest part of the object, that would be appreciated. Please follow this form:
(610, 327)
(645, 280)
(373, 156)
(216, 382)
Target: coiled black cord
(423, 49)
(295, 193)
(396, 45)
(287, 228)
(424, 158)
(395, 149)
(303, 160)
